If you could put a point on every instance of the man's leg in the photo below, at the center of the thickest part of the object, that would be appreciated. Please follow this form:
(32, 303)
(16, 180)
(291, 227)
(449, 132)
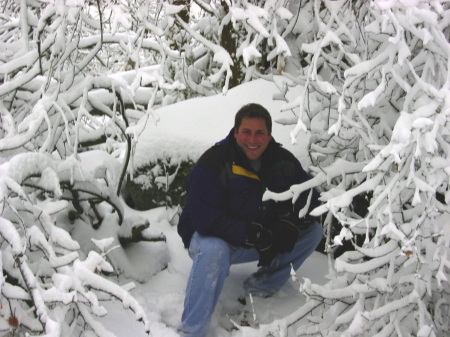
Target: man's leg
(268, 280)
(212, 258)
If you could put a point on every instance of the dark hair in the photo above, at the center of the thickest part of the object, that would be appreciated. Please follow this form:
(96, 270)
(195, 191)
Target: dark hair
(253, 110)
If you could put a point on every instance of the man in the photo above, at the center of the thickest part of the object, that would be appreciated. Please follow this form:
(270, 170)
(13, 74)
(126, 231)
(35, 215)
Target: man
(225, 220)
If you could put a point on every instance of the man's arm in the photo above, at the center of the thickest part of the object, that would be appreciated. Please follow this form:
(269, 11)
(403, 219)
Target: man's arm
(207, 204)
(289, 225)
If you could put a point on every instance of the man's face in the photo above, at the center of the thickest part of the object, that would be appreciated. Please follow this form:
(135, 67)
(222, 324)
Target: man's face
(253, 137)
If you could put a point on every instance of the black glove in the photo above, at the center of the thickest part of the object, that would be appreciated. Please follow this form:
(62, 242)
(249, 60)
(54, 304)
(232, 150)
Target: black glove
(261, 239)
(258, 237)
(286, 232)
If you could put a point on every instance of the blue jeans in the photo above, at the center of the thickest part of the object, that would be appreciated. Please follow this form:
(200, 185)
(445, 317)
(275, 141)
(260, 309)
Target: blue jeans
(212, 258)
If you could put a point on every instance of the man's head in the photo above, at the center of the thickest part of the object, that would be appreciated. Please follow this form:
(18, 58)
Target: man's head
(253, 110)
(253, 130)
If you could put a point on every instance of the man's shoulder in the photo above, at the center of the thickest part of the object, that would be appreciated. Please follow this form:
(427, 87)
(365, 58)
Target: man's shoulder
(284, 154)
(216, 157)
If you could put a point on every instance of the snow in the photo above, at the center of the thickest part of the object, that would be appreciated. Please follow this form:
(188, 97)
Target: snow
(11, 236)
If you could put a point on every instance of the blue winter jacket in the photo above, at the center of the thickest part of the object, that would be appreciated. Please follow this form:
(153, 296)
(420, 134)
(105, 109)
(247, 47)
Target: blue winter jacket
(224, 193)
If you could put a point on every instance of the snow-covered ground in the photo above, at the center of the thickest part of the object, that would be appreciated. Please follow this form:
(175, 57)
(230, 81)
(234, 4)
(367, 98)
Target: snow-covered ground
(162, 296)
(185, 130)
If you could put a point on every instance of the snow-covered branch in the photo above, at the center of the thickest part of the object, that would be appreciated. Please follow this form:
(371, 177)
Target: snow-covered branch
(377, 80)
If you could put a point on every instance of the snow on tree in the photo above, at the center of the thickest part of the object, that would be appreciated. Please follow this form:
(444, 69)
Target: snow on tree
(378, 83)
(224, 44)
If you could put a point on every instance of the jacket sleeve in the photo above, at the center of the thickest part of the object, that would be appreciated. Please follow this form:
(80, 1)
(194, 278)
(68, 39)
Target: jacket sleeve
(206, 200)
(285, 209)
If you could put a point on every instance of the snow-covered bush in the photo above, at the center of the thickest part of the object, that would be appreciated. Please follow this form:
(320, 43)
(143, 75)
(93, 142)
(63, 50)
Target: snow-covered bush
(223, 43)
(48, 285)
(376, 102)
(57, 100)
(158, 184)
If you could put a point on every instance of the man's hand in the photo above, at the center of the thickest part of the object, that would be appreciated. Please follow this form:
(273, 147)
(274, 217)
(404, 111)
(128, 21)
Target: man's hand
(286, 233)
(261, 239)
(258, 237)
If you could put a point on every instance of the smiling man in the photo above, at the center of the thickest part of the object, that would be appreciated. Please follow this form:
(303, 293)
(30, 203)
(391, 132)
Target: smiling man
(226, 222)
